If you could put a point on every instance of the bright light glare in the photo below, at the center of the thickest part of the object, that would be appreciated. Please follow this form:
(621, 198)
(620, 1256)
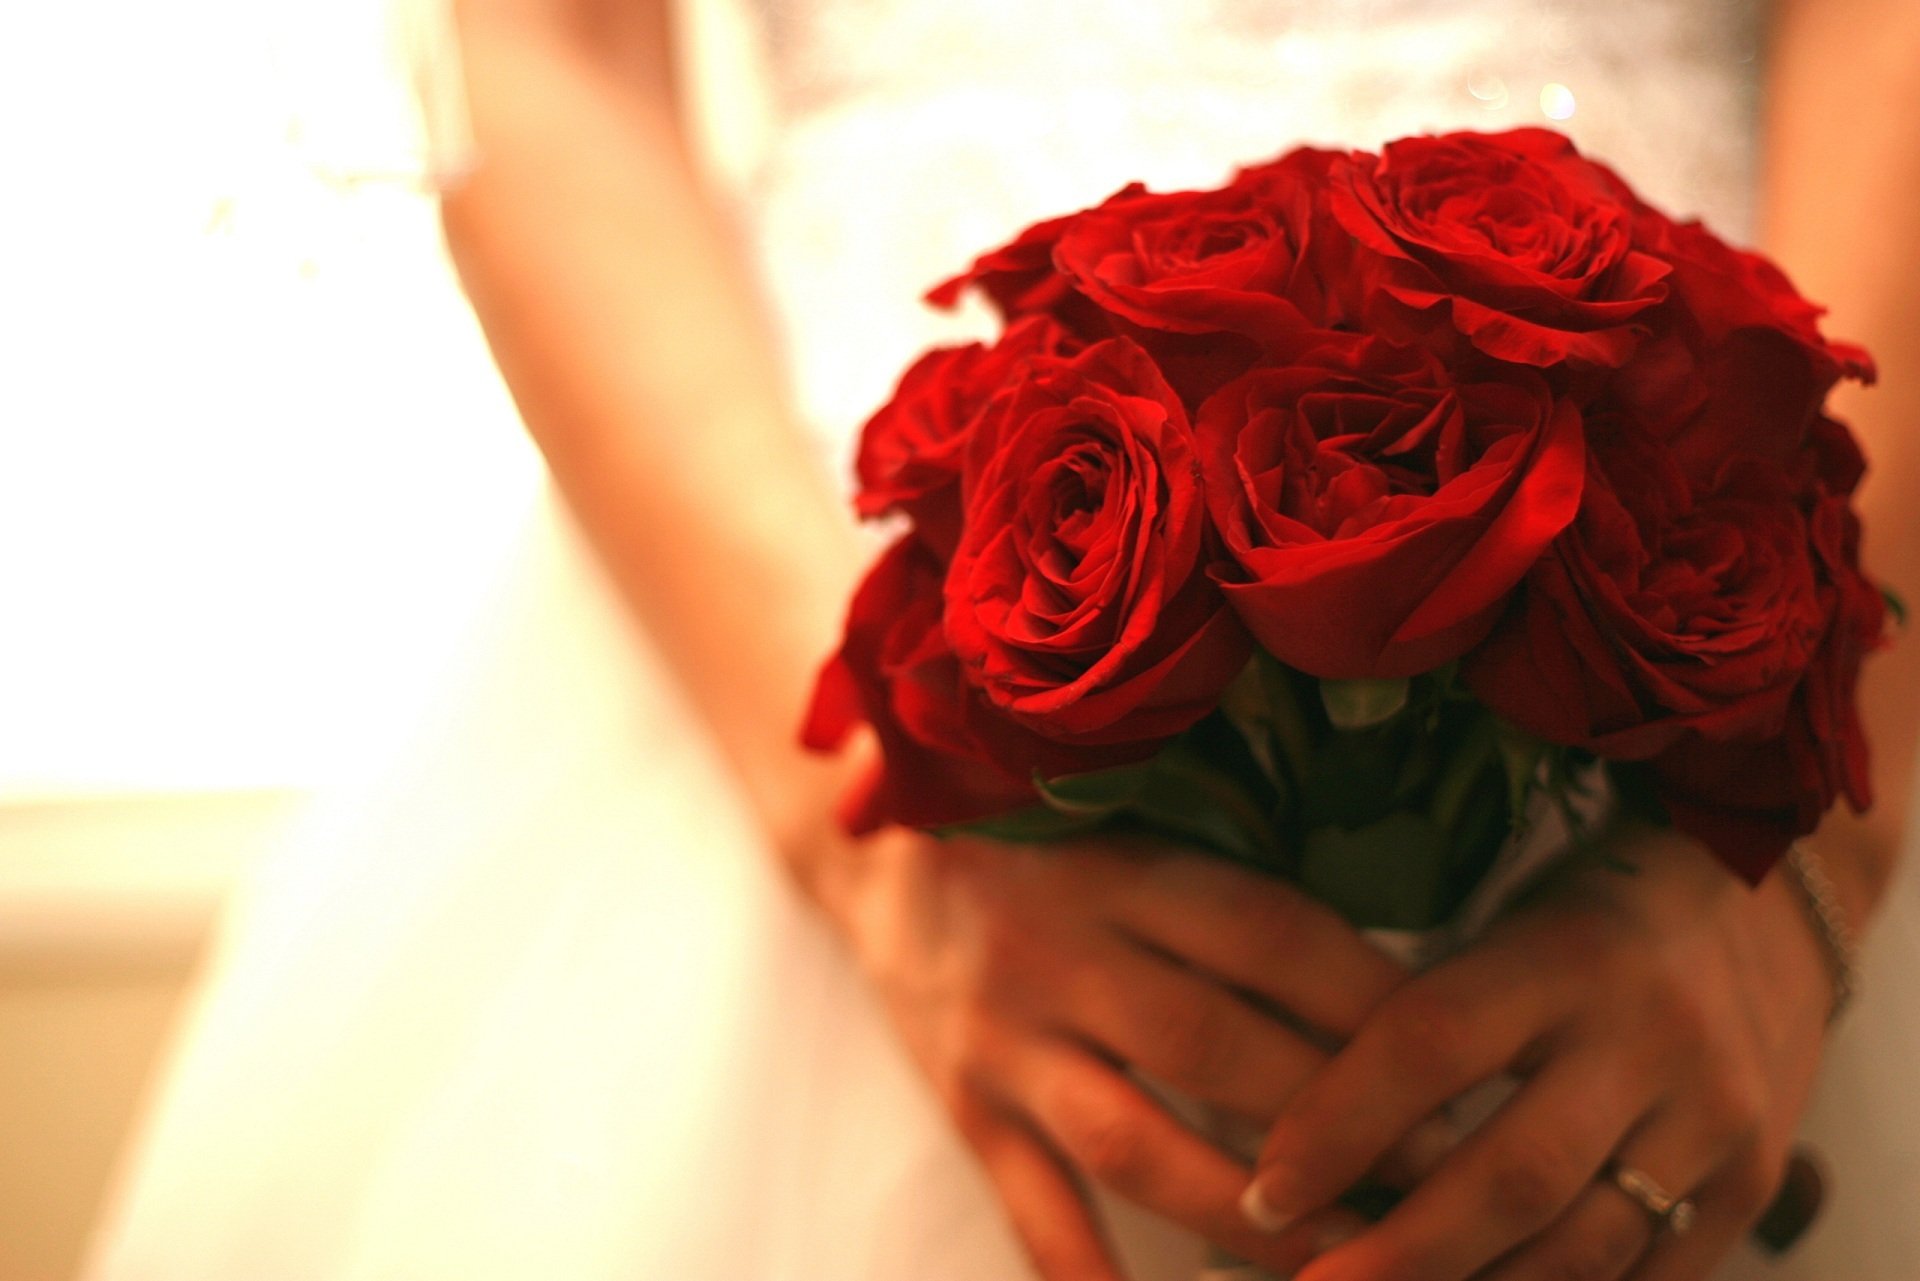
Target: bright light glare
(254, 461)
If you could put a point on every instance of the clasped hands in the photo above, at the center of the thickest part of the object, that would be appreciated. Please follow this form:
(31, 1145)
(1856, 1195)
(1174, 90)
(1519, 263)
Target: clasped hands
(1667, 1018)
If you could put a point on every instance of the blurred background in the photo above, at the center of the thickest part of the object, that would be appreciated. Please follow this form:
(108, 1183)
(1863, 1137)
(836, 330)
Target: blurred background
(255, 470)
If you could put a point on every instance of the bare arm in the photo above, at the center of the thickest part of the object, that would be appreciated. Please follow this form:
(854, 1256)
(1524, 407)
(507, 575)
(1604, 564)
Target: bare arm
(617, 306)
(1842, 214)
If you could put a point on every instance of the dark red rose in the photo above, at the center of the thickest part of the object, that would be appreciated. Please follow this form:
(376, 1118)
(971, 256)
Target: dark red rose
(1736, 361)
(1748, 801)
(1662, 610)
(1377, 514)
(1512, 241)
(1078, 599)
(1715, 631)
(910, 450)
(946, 756)
(895, 673)
(1235, 259)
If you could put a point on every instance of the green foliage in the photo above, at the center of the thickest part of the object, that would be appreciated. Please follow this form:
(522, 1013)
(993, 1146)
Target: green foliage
(1896, 607)
(1390, 874)
(1386, 799)
(1363, 704)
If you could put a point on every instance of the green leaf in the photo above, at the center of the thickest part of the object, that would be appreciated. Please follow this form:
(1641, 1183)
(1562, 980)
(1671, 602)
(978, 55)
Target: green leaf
(1245, 704)
(1363, 704)
(1392, 874)
(1036, 824)
(1261, 705)
(1521, 755)
(1475, 755)
(1291, 728)
(1349, 782)
(1095, 794)
(1186, 796)
(1895, 606)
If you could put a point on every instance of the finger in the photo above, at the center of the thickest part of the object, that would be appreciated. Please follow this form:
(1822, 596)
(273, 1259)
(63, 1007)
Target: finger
(1258, 933)
(1185, 1030)
(1511, 1178)
(1726, 1206)
(1048, 1208)
(1607, 1230)
(1109, 1128)
(1427, 1043)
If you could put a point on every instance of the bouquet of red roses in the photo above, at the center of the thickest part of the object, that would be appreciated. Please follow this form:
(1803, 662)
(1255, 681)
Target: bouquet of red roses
(1339, 517)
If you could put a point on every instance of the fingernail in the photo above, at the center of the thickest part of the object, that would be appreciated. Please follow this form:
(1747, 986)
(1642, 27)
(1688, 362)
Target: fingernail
(1260, 1212)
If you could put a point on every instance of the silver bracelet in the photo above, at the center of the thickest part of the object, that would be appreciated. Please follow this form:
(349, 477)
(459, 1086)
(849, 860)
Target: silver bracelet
(1829, 924)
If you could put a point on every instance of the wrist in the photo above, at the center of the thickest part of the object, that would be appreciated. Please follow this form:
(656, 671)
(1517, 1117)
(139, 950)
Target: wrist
(826, 864)
(1826, 920)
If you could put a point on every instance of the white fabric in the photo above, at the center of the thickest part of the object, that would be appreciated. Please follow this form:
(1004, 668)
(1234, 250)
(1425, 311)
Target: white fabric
(539, 1007)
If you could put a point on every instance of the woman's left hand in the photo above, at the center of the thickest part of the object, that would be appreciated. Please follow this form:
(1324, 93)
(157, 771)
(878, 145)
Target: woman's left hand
(1668, 1019)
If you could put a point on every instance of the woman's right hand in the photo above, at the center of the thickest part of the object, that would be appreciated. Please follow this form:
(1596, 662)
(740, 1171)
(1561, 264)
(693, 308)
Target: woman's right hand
(1026, 981)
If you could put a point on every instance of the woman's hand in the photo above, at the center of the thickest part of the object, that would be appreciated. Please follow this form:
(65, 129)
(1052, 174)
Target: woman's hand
(1667, 1018)
(1025, 981)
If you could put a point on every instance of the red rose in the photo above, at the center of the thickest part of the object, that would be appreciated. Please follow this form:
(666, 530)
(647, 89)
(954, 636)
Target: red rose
(1736, 361)
(1234, 259)
(1078, 599)
(1717, 632)
(946, 756)
(1378, 514)
(1512, 241)
(910, 450)
(1662, 610)
(1020, 278)
(1748, 801)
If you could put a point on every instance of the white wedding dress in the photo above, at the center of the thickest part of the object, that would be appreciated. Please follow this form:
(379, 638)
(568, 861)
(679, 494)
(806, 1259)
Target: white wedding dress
(538, 1005)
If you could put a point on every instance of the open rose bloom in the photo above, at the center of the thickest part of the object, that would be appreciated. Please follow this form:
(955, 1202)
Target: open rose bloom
(1335, 517)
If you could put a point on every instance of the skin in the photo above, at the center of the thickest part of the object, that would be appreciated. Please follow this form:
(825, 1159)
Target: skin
(1672, 1019)
(1022, 983)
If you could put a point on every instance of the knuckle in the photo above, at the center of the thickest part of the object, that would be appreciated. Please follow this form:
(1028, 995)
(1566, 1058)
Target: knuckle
(967, 1062)
(1739, 1106)
(1190, 1041)
(975, 1041)
(1531, 1179)
(1002, 948)
(1432, 1033)
(1681, 1017)
(1277, 918)
(1105, 1139)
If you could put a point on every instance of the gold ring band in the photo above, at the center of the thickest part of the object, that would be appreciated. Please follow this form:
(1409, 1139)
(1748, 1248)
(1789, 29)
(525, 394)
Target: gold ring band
(1675, 1214)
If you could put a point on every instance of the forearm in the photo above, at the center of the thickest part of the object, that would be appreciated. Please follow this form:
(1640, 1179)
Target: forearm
(620, 315)
(1842, 213)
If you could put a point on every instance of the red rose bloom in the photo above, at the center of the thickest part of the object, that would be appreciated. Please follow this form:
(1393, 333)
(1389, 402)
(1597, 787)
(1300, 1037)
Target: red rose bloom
(910, 450)
(1376, 513)
(1716, 632)
(946, 755)
(1512, 241)
(1737, 361)
(1746, 800)
(1235, 259)
(1020, 278)
(1661, 610)
(894, 672)
(1078, 599)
